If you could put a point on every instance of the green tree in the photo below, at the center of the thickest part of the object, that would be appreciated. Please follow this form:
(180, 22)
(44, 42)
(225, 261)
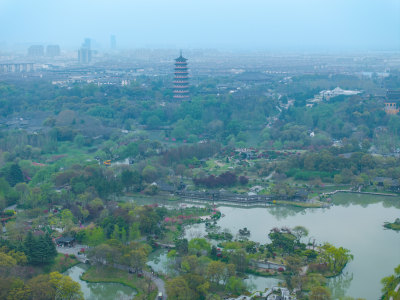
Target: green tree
(240, 260)
(235, 285)
(137, 259)
(320, 293)
(95, 236)
(336, 258)
(178, 289)
(149, 174)
(65, 287)
(79, 140)
(300, 232)
(7, 261)
(215, 271)
(198, 245)
(134, 232)
(389, 285)
(13, 174)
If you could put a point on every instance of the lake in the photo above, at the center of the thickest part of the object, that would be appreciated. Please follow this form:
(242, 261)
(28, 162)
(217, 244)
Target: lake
(95, 291)
(354, 222)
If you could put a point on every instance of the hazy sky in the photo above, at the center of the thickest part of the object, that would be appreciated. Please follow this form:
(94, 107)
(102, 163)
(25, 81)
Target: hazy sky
(239, 24)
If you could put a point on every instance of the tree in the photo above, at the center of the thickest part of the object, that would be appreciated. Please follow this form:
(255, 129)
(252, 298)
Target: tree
(182, 245)
(50, 251)
(190, 264)
(67, 219)
(215, 271)
(178, 289)
(130, 178)
(41, 287)
(40, 250)
(243, 180)
(14, 174)
(389, 285)
(66, 288)
(198, 245)
(235, 285)
(153, 122)
(30, 247)
(284, 241)
(95, 236)
(103, 254)
(137, 259)
(6, 261)
(320, 293)
(300, 232)
(336, 258)
(79, 140)
(134, 232)
(239, 259)
(149, 174)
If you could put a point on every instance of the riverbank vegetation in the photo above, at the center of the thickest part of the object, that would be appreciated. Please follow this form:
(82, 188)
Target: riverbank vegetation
(219, 269)
(391, 285)
(20, 280)
(394, 226)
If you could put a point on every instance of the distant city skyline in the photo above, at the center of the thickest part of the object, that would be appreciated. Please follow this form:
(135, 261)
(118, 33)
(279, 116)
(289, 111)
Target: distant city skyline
(307, 25)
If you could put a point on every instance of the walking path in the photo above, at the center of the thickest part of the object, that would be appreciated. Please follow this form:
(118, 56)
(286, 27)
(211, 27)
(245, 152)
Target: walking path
(160, 284)
(317, 198)
(358, 192)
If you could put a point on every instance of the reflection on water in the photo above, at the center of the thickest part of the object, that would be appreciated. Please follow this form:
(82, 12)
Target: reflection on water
(340, 284)
(283, 212)
(160, 263)
(354, 222)
(96, 291)
(259, 283)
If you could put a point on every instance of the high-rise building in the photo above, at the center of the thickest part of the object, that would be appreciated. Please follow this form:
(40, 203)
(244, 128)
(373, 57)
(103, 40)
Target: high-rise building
(113, 42)
(181, 79)
(87, 43)
(53, 50)
(36, 50)
(85, 52)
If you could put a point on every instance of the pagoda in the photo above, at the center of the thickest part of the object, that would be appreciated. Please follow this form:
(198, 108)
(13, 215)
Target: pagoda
(392, 102)
(181, 79)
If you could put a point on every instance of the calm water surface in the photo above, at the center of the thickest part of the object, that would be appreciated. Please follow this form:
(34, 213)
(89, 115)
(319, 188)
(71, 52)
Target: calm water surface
(99, 291)
(354, 222)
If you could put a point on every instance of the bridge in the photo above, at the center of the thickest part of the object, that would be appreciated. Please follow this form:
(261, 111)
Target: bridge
(236, 198)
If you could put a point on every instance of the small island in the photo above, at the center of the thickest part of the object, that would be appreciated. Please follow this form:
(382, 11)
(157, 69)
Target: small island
(394, 226)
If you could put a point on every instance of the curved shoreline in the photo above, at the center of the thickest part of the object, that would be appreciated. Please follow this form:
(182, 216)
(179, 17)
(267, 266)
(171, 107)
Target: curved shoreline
(81, 277)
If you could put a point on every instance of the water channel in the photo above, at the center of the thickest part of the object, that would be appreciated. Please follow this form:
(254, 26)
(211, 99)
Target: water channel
(101, 290)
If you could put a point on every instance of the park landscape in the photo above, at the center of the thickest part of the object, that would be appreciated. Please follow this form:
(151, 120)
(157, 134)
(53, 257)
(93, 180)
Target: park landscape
(126, 193)
(220, 150)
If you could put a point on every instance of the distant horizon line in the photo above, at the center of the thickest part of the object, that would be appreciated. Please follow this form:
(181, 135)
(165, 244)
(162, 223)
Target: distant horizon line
(23, 48)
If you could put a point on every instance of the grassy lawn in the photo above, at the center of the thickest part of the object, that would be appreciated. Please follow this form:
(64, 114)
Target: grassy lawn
(109, 274)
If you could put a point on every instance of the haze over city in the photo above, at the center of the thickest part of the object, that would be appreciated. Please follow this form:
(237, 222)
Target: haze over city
(290, 25)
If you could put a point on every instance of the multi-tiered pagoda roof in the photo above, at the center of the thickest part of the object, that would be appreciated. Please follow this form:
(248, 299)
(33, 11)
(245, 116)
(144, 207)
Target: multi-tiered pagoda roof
(181, 79)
